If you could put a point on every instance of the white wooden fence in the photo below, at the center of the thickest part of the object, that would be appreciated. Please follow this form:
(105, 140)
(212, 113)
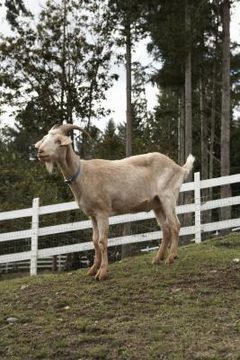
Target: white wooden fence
(197, 207)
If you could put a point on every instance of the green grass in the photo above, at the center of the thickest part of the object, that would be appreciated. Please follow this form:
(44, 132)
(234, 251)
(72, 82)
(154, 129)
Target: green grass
(190, 310)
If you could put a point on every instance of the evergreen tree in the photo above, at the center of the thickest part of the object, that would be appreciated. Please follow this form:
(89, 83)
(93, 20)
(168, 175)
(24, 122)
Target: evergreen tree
(110, 145)
(163, 125)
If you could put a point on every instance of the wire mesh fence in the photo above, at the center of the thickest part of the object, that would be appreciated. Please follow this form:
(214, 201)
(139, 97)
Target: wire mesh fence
(58, 237)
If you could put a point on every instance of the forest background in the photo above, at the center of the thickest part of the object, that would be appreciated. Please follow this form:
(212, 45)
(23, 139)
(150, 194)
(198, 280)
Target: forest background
(58, 68)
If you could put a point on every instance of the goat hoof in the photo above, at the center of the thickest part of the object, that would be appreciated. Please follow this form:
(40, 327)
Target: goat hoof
(92, 271)
(156, 260)
(101, 275)
(170, 260)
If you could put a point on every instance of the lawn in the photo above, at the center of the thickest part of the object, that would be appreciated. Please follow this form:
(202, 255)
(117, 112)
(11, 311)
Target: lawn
(190, 310)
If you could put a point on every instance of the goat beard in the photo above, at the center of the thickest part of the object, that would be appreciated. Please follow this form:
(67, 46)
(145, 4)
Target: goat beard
(49, 166)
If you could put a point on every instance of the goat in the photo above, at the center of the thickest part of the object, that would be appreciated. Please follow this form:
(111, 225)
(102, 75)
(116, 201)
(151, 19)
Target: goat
(103, 188)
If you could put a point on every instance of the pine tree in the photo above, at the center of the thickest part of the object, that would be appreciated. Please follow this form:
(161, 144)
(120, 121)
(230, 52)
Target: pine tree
(110, 146)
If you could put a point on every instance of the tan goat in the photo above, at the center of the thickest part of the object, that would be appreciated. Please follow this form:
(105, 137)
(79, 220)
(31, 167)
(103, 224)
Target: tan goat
(103, 188)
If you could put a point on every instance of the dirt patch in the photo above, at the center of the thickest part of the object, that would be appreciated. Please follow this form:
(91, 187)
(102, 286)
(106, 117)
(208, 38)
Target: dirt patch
(186, 311)
(217, 278)
(228, 244)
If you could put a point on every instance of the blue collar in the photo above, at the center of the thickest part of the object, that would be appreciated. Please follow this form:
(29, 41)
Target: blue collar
(73, 178)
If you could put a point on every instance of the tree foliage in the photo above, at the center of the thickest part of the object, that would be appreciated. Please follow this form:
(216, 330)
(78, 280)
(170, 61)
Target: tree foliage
(61, 67)
(60, 70)
(15, 8)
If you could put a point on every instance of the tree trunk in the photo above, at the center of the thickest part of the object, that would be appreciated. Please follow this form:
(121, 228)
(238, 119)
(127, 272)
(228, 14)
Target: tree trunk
(181, 123)
(126, 249)
(188, 101)
(213, 161)
(181, 129)
(204, 135)
(204, 148)
(188, 84)
(225, 111)
(128, 91)
(212, 138)
(63, 77)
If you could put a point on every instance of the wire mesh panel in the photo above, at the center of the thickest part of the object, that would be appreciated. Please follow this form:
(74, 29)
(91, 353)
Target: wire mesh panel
(55, 237)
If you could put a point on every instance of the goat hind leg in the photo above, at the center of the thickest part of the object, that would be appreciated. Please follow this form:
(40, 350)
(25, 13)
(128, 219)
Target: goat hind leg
(174, 229)
(166, 236)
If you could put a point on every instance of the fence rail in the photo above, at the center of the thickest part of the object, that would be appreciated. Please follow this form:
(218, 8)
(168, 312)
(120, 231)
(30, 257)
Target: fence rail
(197, 207)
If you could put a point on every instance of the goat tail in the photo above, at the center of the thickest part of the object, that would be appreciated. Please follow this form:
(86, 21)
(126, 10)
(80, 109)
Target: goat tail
(188, 165)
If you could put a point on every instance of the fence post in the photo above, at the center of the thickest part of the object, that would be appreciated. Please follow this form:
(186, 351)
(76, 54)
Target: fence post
(197, 202)
(34, 237)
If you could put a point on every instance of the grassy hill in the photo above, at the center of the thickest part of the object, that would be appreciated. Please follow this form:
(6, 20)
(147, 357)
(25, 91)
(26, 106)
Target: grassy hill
(190, 310)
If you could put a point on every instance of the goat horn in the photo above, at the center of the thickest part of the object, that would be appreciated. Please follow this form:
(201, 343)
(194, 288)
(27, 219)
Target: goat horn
(66, 128)
(55, 126)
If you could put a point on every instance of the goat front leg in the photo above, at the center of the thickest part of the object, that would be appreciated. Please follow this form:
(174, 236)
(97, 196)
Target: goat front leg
(97, 258)
(103, 227)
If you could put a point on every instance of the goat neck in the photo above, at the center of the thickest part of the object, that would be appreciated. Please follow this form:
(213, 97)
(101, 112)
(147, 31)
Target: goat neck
(70, 163)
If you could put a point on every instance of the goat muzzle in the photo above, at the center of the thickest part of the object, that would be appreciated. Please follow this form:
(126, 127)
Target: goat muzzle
(43, 157)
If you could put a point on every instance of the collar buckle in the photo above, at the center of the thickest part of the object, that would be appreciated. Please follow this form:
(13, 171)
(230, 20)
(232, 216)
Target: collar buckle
(73, 178)
(68, 181)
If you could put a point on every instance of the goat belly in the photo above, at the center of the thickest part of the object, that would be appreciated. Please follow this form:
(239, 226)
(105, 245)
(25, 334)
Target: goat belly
(145, 205)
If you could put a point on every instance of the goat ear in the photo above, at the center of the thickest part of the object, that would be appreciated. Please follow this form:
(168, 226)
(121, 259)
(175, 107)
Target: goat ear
(65, 140)
(37, 144)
